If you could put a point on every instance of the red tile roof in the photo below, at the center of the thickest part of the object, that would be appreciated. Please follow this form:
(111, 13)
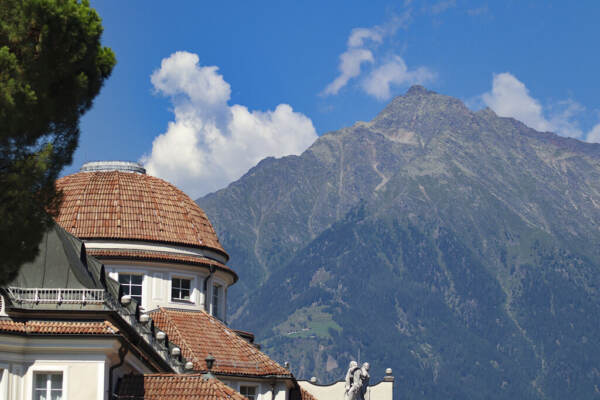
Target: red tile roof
(132, 206)
(37, 327)
(200, 334)
(149, 255)
(174, 387)
(305, 395)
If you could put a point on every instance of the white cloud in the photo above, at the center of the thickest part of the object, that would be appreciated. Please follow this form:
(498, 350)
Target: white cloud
(359, 35)
(593, 135)
(394, 72)
(561, 116)
(360, 49)
(509, 97)
(355, 56)
(350, 65)
(442, 6)
(211, 143)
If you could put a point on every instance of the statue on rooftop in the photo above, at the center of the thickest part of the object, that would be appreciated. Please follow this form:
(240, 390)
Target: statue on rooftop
(350, 379)
(357, 381)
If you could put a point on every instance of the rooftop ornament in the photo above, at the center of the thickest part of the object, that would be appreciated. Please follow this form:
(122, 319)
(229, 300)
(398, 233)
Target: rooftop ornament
(210, 360)
(357, 381)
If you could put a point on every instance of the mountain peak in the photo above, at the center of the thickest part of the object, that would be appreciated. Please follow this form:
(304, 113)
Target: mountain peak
(423, 111)
(418, 90)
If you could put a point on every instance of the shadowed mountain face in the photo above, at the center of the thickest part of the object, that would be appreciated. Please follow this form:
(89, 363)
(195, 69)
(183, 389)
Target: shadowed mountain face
(457, 247)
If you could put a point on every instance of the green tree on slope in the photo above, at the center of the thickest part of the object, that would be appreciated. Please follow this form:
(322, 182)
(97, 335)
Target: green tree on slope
(52, 65)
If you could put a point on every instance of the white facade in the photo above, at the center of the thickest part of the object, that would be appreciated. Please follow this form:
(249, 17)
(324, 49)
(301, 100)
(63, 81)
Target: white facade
(263, 389)
(88, 366)
(207, 290)
(383, 390)
(80, 365)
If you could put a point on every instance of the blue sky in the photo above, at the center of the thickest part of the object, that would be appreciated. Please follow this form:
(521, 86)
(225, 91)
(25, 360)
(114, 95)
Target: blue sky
(203, 90)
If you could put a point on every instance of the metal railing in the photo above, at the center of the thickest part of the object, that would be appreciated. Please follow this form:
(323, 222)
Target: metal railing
(56, 296)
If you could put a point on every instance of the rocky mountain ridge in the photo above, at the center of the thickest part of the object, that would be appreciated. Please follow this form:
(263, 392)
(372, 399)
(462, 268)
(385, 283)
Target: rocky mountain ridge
(455, 246)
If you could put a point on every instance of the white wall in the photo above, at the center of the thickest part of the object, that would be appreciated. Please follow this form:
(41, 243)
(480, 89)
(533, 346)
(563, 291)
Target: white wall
(156, 284)
(83, 362)
(384, 390)
(264, 388)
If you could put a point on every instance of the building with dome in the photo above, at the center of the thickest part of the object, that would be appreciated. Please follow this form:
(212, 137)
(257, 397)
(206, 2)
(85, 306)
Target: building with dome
(152, 238)
(127, 299)
(131, 281)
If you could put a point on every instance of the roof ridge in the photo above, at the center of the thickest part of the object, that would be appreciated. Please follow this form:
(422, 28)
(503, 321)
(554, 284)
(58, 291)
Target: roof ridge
(181, 337)
(243, 342)
(233, 352)
(175, 309)
(157, 209)
(79, 202)
(119, 209)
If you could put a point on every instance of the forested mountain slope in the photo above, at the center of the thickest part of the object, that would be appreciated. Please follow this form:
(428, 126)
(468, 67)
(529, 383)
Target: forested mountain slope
(457, 247)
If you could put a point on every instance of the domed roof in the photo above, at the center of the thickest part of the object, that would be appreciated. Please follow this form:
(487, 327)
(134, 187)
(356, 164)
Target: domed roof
(117, 201)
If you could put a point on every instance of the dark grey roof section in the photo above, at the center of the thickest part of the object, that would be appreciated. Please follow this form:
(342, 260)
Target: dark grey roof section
(63, 268)
(61, 263)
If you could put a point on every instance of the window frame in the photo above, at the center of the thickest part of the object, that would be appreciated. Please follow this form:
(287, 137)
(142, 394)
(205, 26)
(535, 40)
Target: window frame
(48, 391)
(193, 288)
(189, 300)
(217, 288)
(249, 385)
(48, 369)
(129, 285)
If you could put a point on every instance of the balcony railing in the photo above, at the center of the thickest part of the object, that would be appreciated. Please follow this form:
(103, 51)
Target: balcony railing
(56, 296)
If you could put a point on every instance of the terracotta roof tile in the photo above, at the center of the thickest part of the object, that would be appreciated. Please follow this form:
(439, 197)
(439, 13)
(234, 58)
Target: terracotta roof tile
(174, 387)
(37, 327)
(132, 206)
(200, 334)
(305, 395)
(149, 255)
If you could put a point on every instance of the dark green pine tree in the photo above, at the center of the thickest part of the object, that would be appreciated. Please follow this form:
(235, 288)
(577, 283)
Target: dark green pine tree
(52, 66)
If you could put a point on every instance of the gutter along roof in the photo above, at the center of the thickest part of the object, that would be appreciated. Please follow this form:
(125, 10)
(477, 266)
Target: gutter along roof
(159, 256)
(45, 327)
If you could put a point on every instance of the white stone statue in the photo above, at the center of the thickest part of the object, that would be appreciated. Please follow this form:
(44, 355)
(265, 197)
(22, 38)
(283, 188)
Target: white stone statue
(357, 381)
(350, 379)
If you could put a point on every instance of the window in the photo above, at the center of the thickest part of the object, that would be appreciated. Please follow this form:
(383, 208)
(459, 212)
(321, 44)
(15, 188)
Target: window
(248, 391)
(48, 386)
(180, 289)
(132, 285)
(216, 301)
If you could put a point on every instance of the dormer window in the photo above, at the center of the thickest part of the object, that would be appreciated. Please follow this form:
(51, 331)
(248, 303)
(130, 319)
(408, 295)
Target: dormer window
(181, 290)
